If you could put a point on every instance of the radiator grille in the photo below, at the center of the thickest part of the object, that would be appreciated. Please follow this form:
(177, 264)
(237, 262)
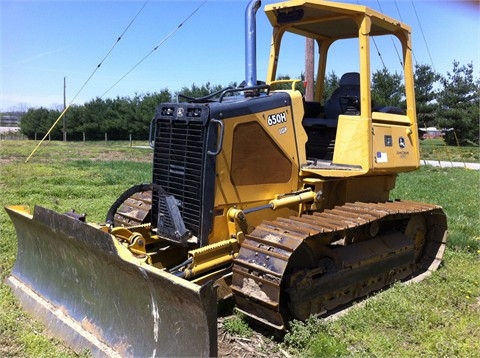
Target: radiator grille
(178, 167)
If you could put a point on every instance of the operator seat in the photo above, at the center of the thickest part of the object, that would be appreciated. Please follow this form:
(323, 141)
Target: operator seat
(346, 98)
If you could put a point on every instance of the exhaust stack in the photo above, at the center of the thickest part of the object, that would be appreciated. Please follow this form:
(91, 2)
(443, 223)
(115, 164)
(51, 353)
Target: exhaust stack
(250, 43)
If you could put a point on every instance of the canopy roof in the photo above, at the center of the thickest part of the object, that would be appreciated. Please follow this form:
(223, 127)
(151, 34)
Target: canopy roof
(329, 20)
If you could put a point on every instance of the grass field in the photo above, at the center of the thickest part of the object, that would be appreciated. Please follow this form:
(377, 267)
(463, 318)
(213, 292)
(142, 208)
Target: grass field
(439, 317)
(435, 149)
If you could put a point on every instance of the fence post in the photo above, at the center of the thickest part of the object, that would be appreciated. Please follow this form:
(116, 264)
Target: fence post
(106, 138)
(83, 137)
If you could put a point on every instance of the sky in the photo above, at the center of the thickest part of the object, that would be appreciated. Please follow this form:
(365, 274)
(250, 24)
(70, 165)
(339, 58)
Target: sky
(173, 44)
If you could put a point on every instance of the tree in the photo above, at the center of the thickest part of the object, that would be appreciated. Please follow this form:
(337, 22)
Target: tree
(93, 117)
(425, 95)
(118, 117)
(459, 105)
(145, 106)
(387, 89)
(196, 92)
(332, 81)
(39, 121)
(74, 122)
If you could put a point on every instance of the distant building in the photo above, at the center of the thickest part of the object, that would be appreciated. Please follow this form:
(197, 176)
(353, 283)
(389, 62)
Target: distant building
(10, 119)
(9, 130)
(431, 133)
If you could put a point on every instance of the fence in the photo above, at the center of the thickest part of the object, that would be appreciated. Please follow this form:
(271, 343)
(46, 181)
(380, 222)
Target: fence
(11, 133)
(17, 135)
(436, 152)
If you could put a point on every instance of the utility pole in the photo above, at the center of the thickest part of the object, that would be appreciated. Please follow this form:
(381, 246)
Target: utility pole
(64, 107)
(309, 79)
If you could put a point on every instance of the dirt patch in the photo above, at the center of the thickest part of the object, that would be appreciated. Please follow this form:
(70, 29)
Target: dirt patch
(10, 160)
(252, 288)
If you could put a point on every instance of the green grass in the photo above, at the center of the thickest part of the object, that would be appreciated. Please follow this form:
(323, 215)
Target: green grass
(60, 176)
(237, 324)
(53, 151)
(457, 190)
(437, 317)
(436, 149)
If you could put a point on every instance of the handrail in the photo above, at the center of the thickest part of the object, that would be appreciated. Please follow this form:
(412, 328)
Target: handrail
(220, 140)
(294, 82)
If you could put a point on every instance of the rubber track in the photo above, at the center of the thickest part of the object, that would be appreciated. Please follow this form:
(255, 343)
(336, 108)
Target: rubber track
(258, 271)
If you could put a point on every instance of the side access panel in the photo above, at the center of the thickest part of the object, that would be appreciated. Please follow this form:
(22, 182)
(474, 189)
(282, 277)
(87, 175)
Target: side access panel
(93, 294)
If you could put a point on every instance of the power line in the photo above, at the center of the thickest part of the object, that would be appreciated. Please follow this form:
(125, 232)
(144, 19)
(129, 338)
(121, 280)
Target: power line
(423, 35)
(376, 47)
(110, 51)
(401, 19)
(393, 42)
(85, 83)
(155, 48)
(378, 52)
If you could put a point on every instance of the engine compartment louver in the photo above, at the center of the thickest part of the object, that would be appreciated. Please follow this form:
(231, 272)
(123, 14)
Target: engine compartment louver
(182, 139)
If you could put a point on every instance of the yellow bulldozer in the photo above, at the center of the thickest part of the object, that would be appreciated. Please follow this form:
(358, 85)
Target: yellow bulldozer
(256, 193)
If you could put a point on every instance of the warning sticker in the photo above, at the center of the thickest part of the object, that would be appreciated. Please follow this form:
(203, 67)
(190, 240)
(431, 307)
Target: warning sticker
(382, 157)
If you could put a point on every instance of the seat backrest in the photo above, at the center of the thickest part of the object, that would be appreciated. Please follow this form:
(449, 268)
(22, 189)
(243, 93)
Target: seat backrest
(349, 86)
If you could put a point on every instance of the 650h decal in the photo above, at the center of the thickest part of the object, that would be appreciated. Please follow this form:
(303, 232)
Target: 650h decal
(277, 118)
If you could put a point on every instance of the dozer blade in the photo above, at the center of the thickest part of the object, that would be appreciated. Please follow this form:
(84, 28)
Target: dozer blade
(93, 294)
